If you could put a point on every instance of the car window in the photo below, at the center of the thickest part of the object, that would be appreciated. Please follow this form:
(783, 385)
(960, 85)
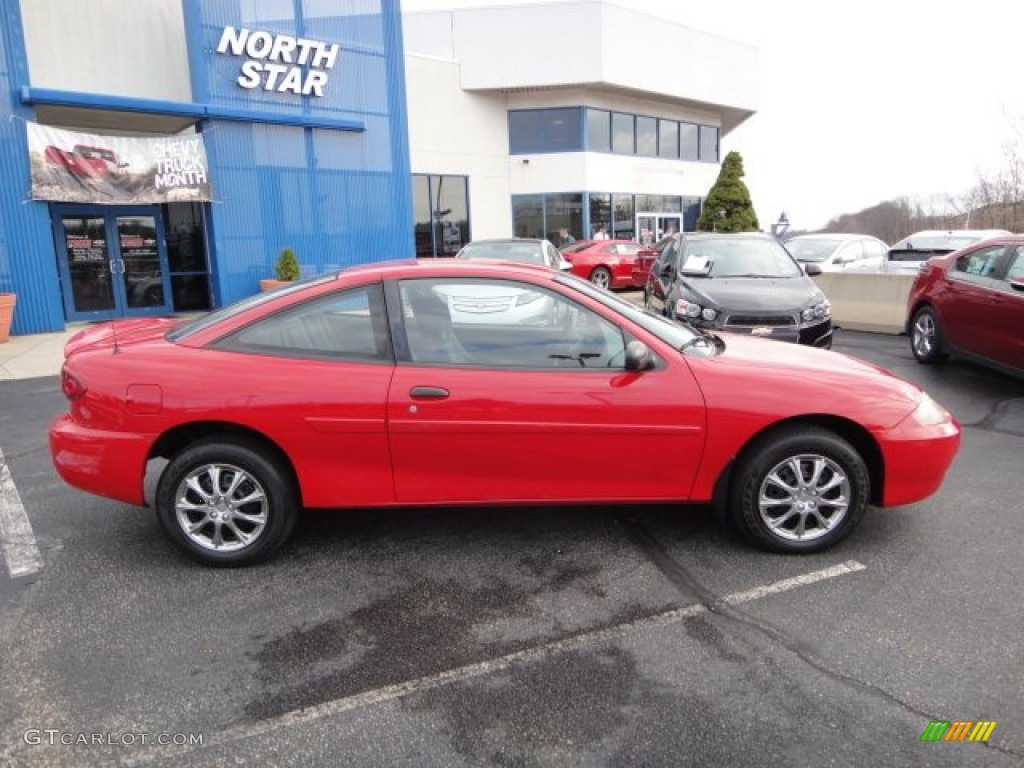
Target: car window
(852, 252)
(627, 249)
(811, 249)
(742, 258)
(553, 258)
(981, 263)
(347, 325)
(490, 323)
(1016, 270)
(875, 250)
(668, 254)
(525, 252)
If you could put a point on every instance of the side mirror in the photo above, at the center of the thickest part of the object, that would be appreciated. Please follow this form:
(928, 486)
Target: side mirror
(812, 270)
(638, 356)
(1017, 283)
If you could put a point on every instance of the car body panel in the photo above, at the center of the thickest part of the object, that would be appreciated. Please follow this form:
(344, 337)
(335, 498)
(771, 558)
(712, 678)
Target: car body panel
(357, 434)
(619, 257)
(980, 313)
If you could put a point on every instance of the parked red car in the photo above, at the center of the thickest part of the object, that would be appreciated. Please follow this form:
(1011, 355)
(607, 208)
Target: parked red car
(361, 390)
(971, 302)
(605, 263)
(645, 259)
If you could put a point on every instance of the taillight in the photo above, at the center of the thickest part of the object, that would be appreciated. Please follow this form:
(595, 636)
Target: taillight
(71, 385)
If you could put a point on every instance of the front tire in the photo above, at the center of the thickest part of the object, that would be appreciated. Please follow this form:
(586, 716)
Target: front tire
(227, 502)
(801, 491)
(925, 339)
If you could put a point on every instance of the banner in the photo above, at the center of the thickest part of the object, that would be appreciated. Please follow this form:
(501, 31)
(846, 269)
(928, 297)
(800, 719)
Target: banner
(72, 167)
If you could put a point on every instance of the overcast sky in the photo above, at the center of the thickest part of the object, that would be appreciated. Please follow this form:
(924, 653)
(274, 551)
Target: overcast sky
(862, 101)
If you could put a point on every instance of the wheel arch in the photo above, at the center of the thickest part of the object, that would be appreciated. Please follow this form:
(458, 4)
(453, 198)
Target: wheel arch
(175, 440)
(915, 308)
(861, 440)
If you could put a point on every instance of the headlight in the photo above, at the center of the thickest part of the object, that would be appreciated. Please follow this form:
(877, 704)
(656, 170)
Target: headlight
(687, 308)
(929, 413)
(820, 310)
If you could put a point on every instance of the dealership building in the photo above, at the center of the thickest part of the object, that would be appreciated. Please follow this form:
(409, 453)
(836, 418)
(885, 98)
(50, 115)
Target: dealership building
(158, 155)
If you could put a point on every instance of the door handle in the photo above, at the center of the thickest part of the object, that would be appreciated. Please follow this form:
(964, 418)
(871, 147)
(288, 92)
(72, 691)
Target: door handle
(428, 393)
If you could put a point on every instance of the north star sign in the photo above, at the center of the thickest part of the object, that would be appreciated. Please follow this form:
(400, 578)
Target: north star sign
(276, 62)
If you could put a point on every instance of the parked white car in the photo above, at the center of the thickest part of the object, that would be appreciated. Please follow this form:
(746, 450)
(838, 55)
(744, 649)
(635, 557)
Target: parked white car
(839, 252)
(909, 254)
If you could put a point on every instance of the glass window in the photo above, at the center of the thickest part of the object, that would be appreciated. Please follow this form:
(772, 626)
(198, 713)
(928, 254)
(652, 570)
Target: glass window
(739, 257)
(851, 253)
(623, 134)
(528, 215)
(668, 139)
(981, 262)
(691, 213)
(623, 224)
(347, 325)
(708, 144)
(505, 324)
(562, 130)
(647, 136)
(440, 214)
(1016, 270)
(688, 141)
(186, 256)
(563, 212)
(600, 214)
(422, 230)
(599, 130)
(525, 131)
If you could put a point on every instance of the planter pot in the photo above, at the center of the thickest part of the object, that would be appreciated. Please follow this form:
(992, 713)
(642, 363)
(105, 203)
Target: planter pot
(269, 285)
(7, 302)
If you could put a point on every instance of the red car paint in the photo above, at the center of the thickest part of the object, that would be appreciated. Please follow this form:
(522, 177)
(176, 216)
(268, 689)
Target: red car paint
(977, 297)
(616, 257)
(356, 435)
(85, 162)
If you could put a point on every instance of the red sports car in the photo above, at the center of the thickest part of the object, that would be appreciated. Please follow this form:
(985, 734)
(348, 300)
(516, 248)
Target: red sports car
(971, 303)
(605, 263)
(399, 384)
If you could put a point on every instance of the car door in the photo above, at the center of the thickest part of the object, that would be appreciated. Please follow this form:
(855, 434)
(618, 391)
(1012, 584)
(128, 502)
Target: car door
(539, 411)
(968, 298)
(661, 277)
(1007, 323)
(314, 378)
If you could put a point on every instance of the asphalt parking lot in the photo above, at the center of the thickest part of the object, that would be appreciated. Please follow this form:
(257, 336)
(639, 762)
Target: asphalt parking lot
(632, 636)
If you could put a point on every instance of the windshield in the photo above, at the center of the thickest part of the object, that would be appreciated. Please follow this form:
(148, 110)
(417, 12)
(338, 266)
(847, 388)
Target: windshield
(671, 333)
(210, 318)
(814, 250)
(740, 258)
(527, 253)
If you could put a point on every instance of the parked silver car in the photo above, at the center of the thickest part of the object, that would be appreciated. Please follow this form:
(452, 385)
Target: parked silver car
(839, 252)
(909, 254)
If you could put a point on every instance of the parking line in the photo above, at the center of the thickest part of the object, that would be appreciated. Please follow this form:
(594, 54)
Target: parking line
(459, 674)
(16, 538)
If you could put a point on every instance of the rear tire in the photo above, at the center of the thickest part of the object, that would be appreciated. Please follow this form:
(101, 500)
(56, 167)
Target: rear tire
(227, 502)
(925, 339)
(602, 278)
(799, 491)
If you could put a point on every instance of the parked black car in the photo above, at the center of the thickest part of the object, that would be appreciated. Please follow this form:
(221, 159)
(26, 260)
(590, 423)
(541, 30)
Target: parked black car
(741, 283)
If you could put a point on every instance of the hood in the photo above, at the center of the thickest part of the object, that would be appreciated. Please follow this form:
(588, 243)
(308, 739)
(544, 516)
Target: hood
(121, 332)
(773, 294)
(792, 378)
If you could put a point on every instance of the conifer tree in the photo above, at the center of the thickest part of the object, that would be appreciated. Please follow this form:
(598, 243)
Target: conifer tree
(727, 207)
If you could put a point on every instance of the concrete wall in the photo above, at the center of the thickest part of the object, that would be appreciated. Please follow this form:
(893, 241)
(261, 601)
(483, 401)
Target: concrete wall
(867, 301)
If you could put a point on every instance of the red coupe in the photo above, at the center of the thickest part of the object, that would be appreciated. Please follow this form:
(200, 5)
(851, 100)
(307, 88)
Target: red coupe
(398, 384)
(971, 303)
(605, 263)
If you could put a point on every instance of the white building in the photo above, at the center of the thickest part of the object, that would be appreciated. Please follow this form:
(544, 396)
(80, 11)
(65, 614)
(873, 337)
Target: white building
(526, 119)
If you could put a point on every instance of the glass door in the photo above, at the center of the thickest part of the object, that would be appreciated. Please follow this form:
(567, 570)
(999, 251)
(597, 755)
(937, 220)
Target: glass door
(651, 227)
(113, 261)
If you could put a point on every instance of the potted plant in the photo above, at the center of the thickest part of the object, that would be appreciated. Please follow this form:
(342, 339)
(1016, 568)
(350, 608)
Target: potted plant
(286, 270)
(7, 302)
